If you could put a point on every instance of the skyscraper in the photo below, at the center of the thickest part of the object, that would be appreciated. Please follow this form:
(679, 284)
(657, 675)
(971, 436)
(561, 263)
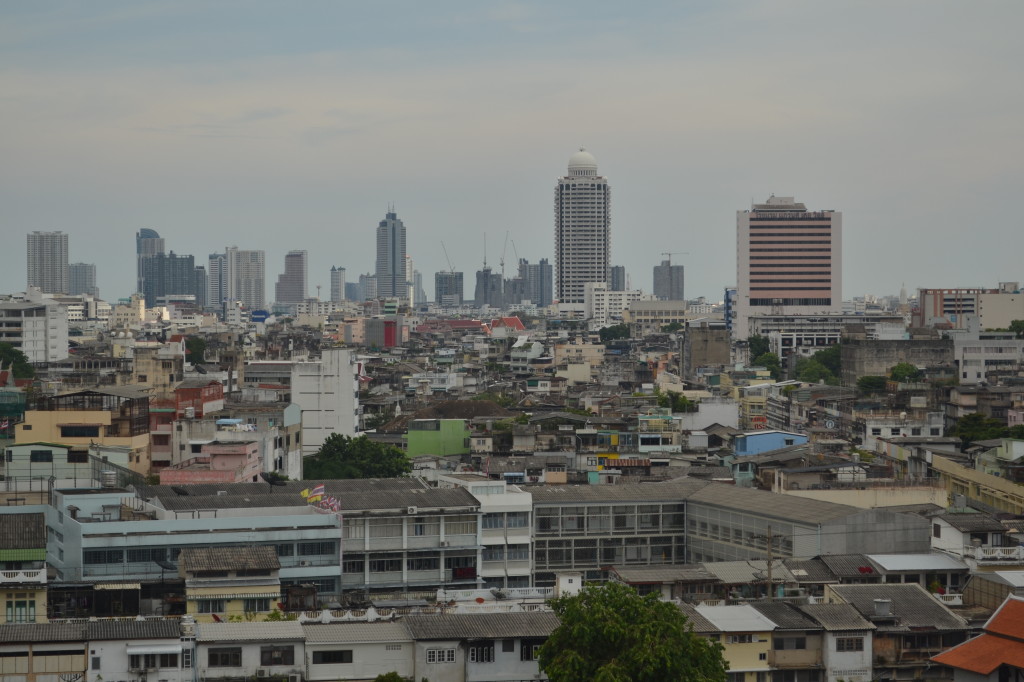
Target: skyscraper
(489, 287)
(668, 281)
(147, 243)
(171, 275)
(292, 284)
(788, 261)
(582, 229)
(618, 279)
(390, 274)
(246, 277)
(82, 279)
(448, 288)
(337, 284)
(47, 264)
(217, 281)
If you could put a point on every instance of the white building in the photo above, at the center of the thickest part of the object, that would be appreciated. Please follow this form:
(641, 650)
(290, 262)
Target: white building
(327, 390)
(603, 307)
(582, 229)
(47, 263)
(39, 330)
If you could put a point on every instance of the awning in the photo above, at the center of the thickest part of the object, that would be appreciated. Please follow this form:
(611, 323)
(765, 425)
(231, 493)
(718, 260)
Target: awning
(137, 649)
(117, 586)
(256, 595)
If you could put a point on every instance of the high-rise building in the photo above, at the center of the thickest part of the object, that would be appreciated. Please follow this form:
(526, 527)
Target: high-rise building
(668, 281)
(337, 284)
(582, 229)
(47, 264)
(292, 284)
(533, 284)
(247, 277)
(618, 278)
(82, 279)
(788, 261)
(217, 281)
(419, 296)
(448, 288)
(488, 288)
(165, 275)
(391, 279)
(147, 243)
(368, 287)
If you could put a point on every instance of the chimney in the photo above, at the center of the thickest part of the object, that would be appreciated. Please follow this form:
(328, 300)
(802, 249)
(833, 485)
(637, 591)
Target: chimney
(883, 608)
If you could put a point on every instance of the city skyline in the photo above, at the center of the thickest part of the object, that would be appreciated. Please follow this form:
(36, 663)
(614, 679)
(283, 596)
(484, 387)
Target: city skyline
(280, 130)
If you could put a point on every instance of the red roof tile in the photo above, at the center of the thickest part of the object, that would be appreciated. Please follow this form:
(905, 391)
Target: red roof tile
(983, 654)
(1008, 620)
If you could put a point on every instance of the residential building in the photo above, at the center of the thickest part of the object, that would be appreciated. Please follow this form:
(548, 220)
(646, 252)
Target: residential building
(650, 317)
(246, 277)
(788, 261)
(292, 285)
(847, 647)
(955, 308)
(82, 279)
(327, 392)
(23, 578)
(441, 437)
(250, 649)
(226, 582)
(47, 263)
(668, 282)
(538, 281)
(358, 650)
(603, 307)
(338, 284)
(391, 257)
(489, 289)
(39, 330)
(997, 654)
(216, 281)
(582, 230)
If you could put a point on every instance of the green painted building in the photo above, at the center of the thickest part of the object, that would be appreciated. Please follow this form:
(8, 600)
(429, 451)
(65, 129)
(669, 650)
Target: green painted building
(439, 437)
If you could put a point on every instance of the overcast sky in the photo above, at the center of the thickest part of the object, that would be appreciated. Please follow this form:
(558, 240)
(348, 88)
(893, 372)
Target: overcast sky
(283, 126)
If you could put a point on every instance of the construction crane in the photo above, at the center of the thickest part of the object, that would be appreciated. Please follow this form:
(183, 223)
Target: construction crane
(674, 253)
(451, 268)
(501, 262)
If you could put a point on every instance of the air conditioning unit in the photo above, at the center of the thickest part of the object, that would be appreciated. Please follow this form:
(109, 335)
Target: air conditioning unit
(304, 563)
(446, 543)
(412, 510)
(261, 672)
(295, 677)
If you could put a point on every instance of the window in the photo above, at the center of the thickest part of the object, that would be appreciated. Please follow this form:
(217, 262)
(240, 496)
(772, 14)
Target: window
(740, 639)
(508, 645)
(79, 431)
(285, 550)
(21, 609)
(228, 657)
(353, 566)
(427, 563)
(40, 456)
(210, 605)
(186, 659)
(385, 565)
(529, 649)
(95, 662)
(152, 661)
(256, 605)
(850, 644)
(78, 457)
(316, 548)
(876, 431)
(482, 652)
(337, 656)
(277, 655)
(440, 655)
(103, 556)
(936, 530)
(136, 556)
(785, 643)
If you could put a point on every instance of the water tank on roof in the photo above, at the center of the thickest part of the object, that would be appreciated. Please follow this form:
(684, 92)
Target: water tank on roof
(108, 479)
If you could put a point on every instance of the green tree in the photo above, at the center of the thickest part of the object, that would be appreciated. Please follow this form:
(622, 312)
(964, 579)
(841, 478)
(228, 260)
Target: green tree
(23, 369)
(195, 349)
(616, 331)
(673, 327)
(904, 371)
(608, 633)
(770, 361)
(811, 371)
(831, 358)
(676, 401)
(1016, 432)
(344, 457)
(974, 427)
(758, 345)
(390, 677)
(871, 384)
(1017, 327)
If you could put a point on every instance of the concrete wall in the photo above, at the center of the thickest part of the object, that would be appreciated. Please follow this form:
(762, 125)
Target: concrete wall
(876, 497)
(875, 358)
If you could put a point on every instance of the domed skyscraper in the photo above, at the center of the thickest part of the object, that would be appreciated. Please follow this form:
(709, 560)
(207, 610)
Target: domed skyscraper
(582, 229)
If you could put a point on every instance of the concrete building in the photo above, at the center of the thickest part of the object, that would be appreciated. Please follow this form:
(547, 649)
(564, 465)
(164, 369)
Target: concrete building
(582, 230)
(877, 358)
(82, 279)
(804, 335)
(165, 275)
(391, 253)
(953, 308)
(246, 277)
(327, 392)
(603, 307)
(39, 330)
(617, 281)
(292, 285)
(788, 261)
(489, 289)
(47, 262)
(448, 288)
(147, 243)
(338, 284)
(668, 281)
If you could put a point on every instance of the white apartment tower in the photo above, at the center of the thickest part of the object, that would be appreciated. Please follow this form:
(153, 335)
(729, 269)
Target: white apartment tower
(292, 284)
(337, 284)
(788, 261)
(582, 229)
(236, 275)
(47, 264)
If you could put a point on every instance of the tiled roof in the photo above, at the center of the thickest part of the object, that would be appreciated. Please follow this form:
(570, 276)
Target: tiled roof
(42, 632)
(810, 571)
(1008, 620)
(482, 626)
(664, 574)
(744, 572)
(133, 629)
(249, 632)
(847, 565)
(701, 625)
(352, 633)
(786, 616)
(255, 557)
(972, 522)
(912, 607)
(837, 617)
(22, 531)
(984, 654)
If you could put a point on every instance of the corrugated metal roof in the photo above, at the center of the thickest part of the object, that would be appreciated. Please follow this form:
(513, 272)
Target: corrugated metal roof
(810, 571)
(254, 557)
(482, 626)
(133, 629)
(676, 490)
(23, 531)
(397, 498)
(701, 625)
(786, 616)
(837, 617)
(664, 574)
(249, 632)
(912, 607)
(972, 522)
(736, 618)
(42, 632)
(345, 633)
(742, 572)
(917, 562)
(771, 505)
(846, 565)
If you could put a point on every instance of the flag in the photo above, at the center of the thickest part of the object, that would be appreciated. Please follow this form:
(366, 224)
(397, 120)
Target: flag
(316, 494)
(305, 493)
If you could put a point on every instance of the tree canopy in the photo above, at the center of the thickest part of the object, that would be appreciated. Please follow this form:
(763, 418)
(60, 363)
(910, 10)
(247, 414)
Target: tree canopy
(616, 331)
(904, 371)
(974, 427)
(770, 361)
(23, 369)
(608, 633)
(1017, 327)
(758, 345)
(344, 457)
(195, 349)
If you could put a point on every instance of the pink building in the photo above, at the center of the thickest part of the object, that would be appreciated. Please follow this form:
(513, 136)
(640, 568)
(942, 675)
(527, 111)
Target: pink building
(218, 462)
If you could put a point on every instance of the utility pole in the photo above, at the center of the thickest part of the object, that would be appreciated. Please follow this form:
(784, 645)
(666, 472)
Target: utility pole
(771, 560)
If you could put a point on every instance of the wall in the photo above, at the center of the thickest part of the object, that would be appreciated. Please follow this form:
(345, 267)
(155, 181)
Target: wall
(876, 497)
(876, 358)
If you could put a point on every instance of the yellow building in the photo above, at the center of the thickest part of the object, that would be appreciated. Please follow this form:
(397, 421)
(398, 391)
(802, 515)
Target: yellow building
(230, 583)
(113, 416)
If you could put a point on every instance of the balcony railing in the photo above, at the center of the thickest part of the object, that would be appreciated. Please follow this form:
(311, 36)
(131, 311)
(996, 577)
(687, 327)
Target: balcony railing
(995, 554)
(37, 577)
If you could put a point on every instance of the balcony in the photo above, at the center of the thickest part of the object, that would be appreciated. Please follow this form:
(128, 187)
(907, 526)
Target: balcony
(27, 577)
(795, 658)
(995, 555)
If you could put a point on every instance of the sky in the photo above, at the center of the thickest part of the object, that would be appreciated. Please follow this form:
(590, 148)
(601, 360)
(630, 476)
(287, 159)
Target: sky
(279, 126)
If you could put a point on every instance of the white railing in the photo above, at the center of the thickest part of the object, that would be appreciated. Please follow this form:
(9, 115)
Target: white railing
(20, 577)
(511, 593)
(1012, 554)
(950, 599)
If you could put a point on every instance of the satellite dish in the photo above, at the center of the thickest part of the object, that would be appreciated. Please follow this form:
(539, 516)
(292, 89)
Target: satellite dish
(271, 478)
(179, 490)
(166, 565)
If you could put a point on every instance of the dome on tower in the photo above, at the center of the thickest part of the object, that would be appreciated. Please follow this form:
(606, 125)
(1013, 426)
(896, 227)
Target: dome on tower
(583, 161)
